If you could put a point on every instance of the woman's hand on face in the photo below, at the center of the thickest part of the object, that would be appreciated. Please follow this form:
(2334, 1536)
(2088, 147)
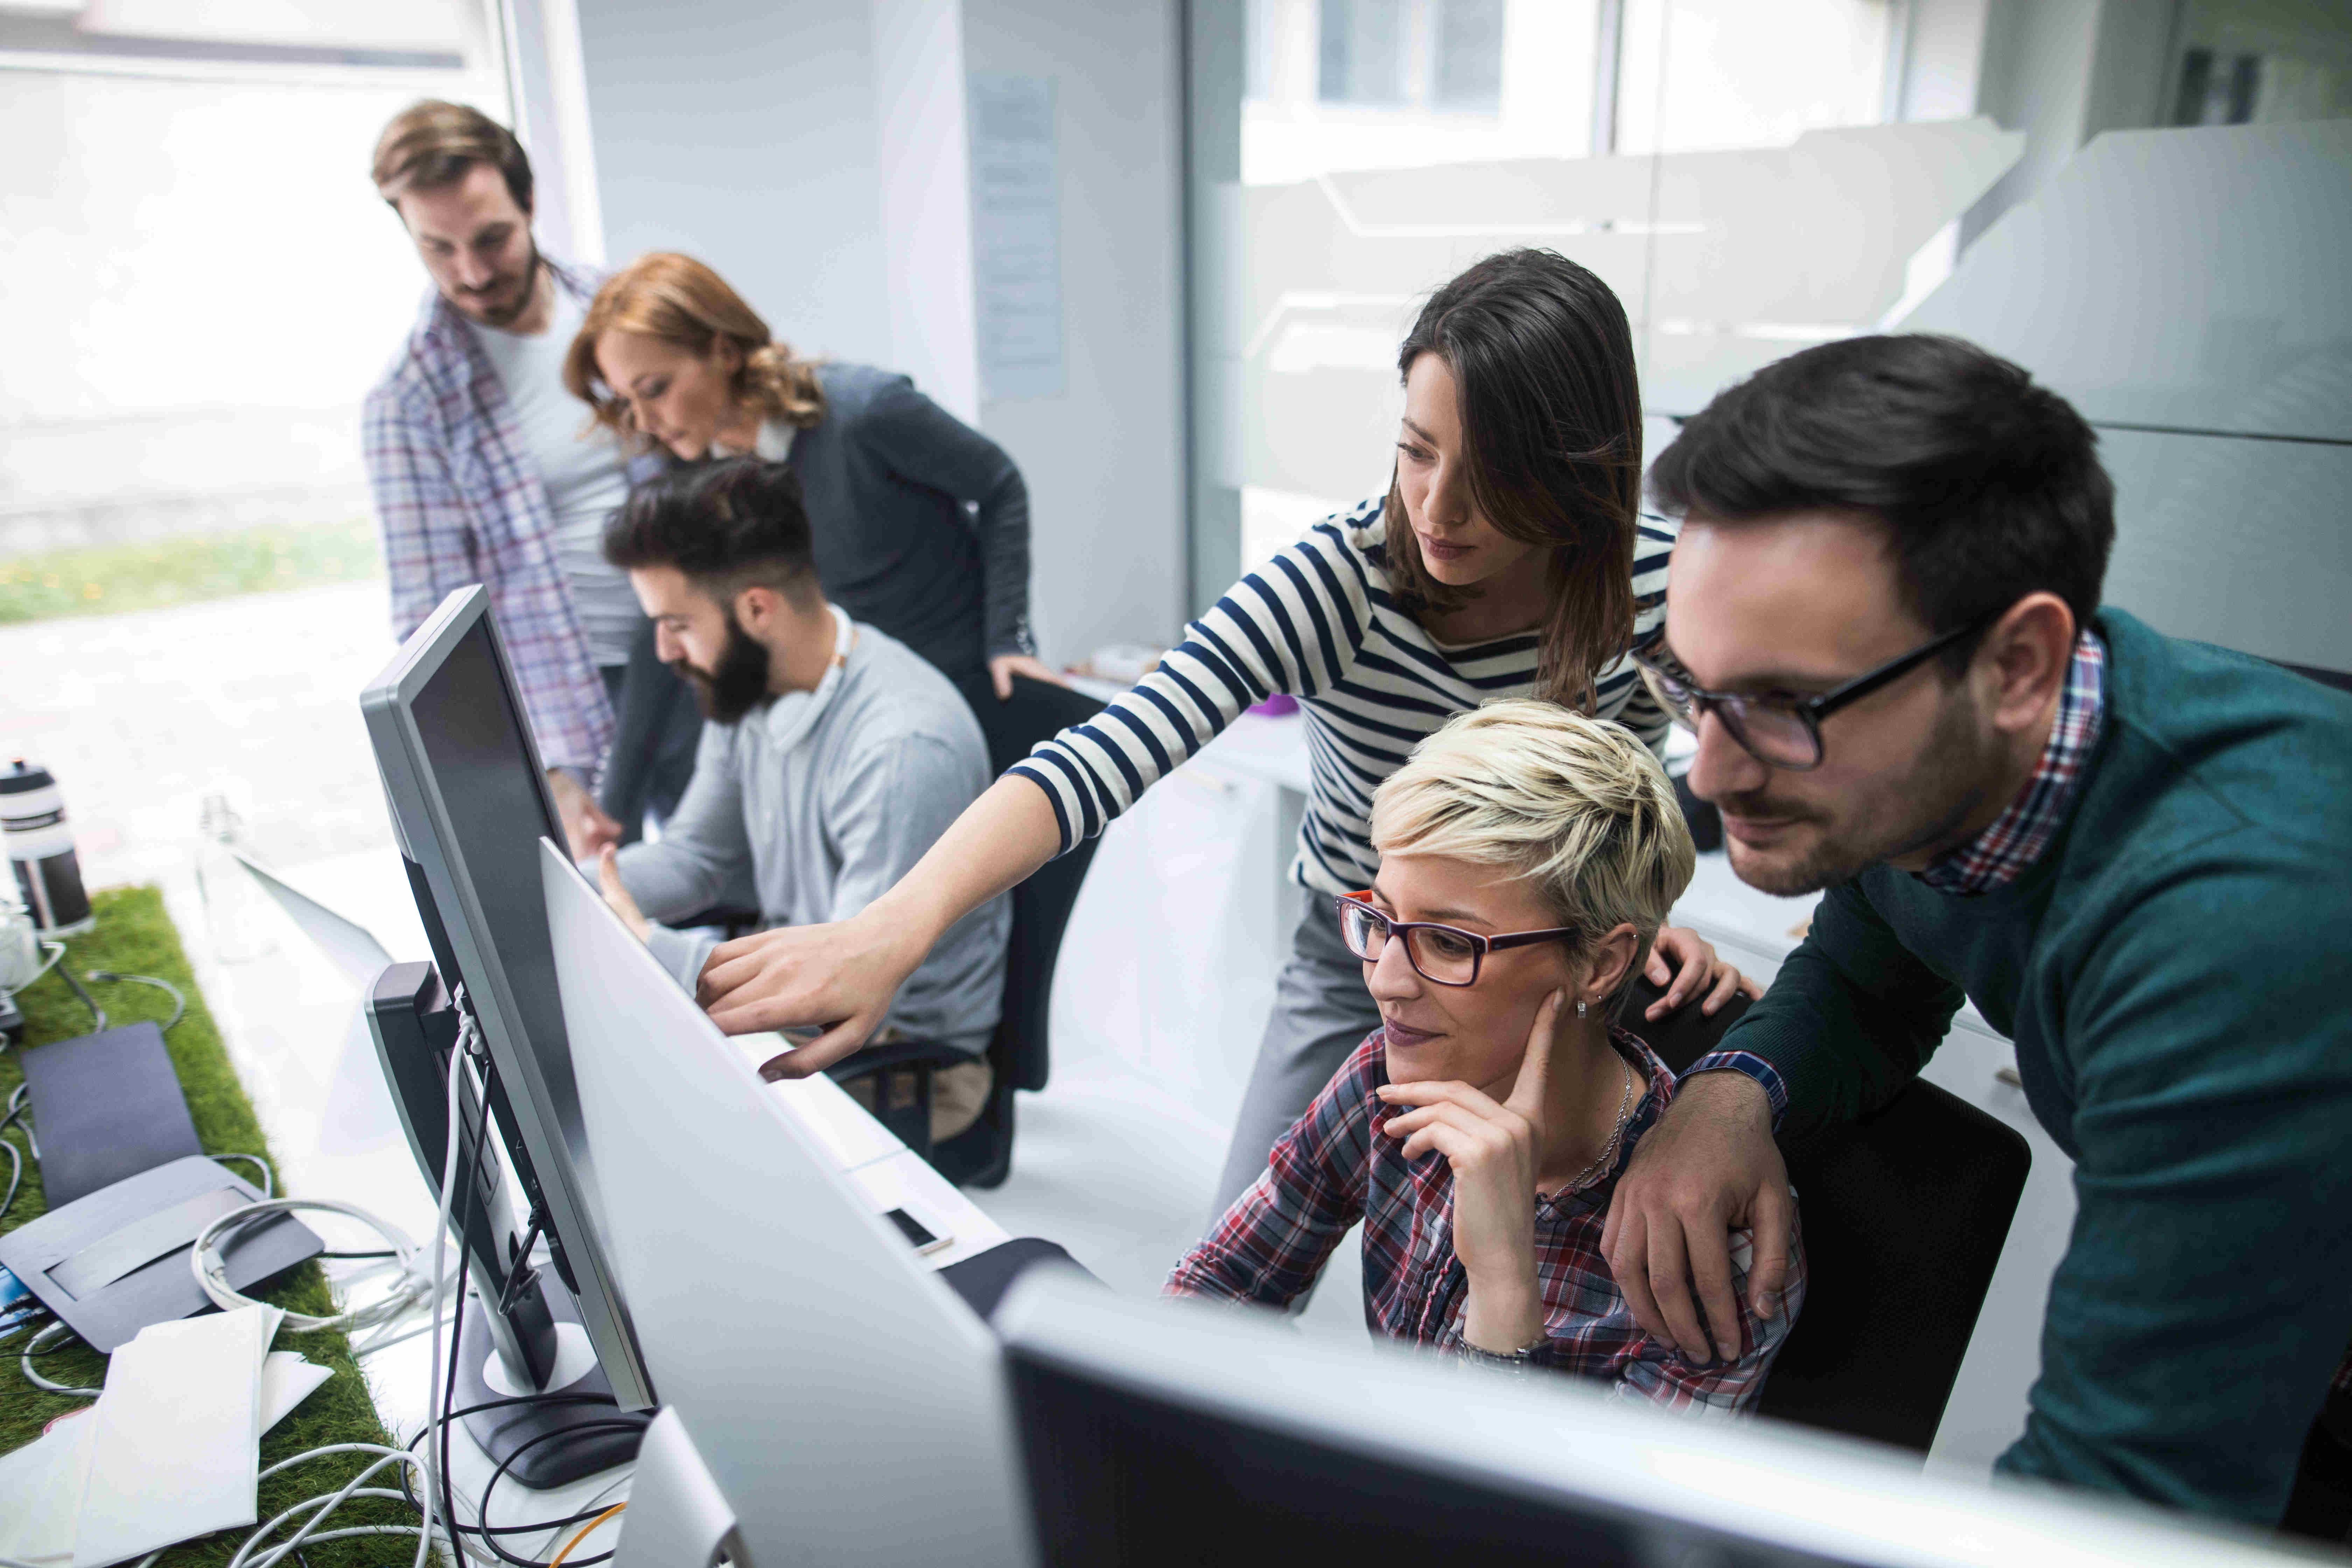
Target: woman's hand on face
(1006, 666)
(1688, 959)
(1495, 1149)
(841, 976)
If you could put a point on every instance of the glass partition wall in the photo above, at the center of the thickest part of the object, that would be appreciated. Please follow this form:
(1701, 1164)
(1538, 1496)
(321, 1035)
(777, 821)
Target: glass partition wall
(1349, 155)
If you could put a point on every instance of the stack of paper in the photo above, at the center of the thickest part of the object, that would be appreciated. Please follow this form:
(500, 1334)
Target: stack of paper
(171, 1451)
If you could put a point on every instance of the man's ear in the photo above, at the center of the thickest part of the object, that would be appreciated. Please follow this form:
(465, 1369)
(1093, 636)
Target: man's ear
(2024, 660)
(756, 610)
(1609, 962)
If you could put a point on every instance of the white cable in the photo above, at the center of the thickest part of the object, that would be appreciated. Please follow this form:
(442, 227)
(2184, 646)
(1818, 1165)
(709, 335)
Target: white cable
(327, 1502)
(435, 1290)
(205, 1262)
(385, 1342)
(33, 1349)
(268, 1185)
(433, 1413)
(55, 950)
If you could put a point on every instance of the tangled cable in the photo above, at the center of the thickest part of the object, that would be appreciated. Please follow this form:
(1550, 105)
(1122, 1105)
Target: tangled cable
(413, 1289)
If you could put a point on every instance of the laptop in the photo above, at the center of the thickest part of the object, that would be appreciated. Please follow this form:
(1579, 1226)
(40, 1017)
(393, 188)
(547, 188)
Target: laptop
(351, 946)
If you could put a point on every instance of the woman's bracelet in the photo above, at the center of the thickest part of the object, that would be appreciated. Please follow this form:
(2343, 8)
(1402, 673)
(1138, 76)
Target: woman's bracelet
(1516, 1363)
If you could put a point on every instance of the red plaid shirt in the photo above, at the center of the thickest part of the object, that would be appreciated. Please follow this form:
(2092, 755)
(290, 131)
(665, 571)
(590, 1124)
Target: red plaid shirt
(459, 500)
(1337, 1166)
(2016, 838)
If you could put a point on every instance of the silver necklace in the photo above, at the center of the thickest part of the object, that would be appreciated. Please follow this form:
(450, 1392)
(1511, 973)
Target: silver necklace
(1616, 1135)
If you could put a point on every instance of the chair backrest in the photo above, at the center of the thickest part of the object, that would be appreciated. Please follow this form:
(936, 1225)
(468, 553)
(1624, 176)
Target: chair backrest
(1042, 905)
(1904, 1214)
(1904, 1217)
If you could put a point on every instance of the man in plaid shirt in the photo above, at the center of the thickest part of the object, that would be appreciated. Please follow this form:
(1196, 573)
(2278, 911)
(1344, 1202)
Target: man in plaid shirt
(1528, 855)
(472, 447)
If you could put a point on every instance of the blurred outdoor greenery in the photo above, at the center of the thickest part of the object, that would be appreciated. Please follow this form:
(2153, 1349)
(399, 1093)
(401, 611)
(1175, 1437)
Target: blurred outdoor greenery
(120, 578)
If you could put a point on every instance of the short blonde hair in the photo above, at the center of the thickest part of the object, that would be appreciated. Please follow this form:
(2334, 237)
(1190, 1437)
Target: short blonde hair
(1576, 805)
(682, 302)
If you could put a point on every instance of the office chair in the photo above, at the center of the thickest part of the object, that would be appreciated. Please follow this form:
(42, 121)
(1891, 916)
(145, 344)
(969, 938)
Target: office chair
(1903, 1215)
(982, 1156)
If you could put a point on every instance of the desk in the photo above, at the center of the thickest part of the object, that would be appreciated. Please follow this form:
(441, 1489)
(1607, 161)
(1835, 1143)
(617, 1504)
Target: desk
(890, 1175)
(291, 1019)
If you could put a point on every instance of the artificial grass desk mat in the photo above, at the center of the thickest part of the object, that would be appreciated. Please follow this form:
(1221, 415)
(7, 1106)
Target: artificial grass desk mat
(135, 936)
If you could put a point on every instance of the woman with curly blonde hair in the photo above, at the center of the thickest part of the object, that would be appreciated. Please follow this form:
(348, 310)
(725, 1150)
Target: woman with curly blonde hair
(920, 523)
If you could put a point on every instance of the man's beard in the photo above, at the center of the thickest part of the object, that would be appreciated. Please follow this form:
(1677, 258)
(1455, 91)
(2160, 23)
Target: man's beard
(739, 684)
(1920, 813)
(506, 315)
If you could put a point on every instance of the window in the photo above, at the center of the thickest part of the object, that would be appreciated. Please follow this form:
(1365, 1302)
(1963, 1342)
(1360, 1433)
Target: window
(1704, 74)
(2240, 65)
(202, 283)
(1361, 52)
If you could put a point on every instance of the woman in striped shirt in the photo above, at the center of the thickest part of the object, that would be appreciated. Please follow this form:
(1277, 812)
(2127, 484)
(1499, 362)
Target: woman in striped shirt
(1507, 559)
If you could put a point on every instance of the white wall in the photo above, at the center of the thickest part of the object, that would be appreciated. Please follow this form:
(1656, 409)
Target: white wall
(1104, 460)
(743, 132)
(817, 156)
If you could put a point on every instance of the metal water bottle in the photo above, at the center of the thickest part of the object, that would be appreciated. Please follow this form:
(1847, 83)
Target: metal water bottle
(41, 851)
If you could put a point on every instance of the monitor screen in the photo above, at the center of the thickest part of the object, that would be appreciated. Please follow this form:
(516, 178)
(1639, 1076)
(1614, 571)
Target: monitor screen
(1179, 1431)
(469, 803)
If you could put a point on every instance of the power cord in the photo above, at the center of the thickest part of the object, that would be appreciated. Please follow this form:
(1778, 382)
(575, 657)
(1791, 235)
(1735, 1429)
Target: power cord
(586, 1531)
(16, 1108)
(268, 1186)
(96, 1013)
(423, 1433)
(15, 1176)
(56, 951)
(32, 1348)
(179, 1001)
(322, 1507)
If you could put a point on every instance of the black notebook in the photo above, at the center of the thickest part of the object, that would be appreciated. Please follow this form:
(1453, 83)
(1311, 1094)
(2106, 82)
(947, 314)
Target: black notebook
(105, 1107)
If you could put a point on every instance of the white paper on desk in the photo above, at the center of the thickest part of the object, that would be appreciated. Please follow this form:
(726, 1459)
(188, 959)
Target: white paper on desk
(177, 1448)
(41, 1487)
(286, 1379)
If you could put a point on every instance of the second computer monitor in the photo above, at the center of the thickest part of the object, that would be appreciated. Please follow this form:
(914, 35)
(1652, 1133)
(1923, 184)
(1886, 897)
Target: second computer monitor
(469, 803)
(845, 1403)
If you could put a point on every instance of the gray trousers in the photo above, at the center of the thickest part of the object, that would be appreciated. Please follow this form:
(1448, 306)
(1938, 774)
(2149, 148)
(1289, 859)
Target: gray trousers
(1321, 1012)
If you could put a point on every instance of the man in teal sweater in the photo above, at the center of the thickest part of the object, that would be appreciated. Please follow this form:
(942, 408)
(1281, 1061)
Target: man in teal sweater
(2134, 854)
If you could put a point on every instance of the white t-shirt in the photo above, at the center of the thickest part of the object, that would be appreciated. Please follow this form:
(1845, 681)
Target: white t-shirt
(583, 468)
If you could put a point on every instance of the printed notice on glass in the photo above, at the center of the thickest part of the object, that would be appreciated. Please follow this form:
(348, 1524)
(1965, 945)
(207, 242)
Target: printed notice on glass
(1016, 234)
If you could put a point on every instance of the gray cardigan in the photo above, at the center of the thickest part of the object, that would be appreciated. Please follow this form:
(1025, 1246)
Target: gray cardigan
(827, 821)
(921, 523)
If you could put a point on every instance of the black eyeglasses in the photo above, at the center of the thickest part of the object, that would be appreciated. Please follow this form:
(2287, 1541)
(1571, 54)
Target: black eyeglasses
(1781, 731)
(1442, 955)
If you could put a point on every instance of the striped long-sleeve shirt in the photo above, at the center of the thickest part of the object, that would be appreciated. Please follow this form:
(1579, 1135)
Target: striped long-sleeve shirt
(1320, 622)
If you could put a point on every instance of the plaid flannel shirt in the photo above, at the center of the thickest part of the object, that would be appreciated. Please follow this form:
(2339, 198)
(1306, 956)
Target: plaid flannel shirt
(2016, 838)
(1337, 1166)
(459, 501)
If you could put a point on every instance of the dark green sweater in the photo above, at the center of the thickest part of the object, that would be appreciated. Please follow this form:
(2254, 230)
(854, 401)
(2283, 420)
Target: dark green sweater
(2177, 973)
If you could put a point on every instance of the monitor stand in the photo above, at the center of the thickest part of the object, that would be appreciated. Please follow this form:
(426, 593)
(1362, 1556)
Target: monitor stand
(414, 1025)
(546, 1459)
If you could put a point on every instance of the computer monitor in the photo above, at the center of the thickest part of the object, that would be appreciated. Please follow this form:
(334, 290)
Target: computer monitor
(843, 1404)
(1161, 1432)
(469, 803)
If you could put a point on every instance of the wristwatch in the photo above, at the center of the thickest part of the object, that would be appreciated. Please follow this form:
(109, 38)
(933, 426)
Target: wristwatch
(1516, 1363)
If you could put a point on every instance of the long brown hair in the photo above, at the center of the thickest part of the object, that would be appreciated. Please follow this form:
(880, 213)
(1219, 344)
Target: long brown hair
(1551, 420)
(685, 304)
